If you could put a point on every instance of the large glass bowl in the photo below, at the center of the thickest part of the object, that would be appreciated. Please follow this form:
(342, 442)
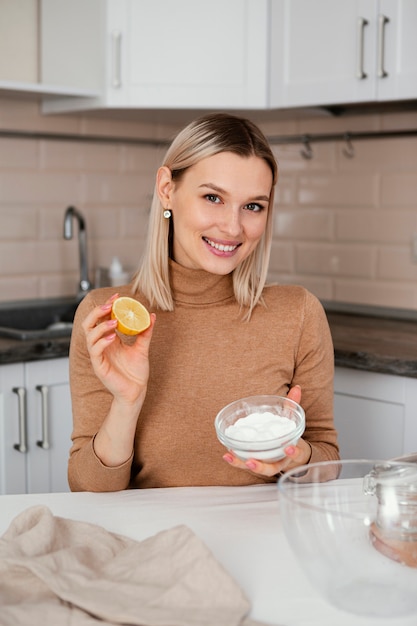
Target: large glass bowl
(268, 449)
(353, 527)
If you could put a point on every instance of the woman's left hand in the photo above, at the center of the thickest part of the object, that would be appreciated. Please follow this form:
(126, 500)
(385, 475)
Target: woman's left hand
(294, 455)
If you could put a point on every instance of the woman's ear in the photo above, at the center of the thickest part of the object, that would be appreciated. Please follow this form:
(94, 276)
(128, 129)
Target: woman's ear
(164, 186)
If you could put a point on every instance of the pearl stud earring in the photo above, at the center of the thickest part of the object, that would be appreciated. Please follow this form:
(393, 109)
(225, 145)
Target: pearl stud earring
(167, 214)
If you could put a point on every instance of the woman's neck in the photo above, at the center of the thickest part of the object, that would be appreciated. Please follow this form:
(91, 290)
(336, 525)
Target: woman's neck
(199, 286)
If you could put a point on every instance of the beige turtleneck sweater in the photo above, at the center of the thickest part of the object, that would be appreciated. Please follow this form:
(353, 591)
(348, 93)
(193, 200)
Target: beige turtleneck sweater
(202, 357)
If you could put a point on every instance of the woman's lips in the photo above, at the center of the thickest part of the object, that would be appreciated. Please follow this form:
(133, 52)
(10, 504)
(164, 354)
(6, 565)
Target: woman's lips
(222, 249)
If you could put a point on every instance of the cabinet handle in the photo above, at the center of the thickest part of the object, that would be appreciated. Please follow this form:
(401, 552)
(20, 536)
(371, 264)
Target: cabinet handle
(360, 72)
(116, 47)
(22, 445)
(382, 21)
(44, 442)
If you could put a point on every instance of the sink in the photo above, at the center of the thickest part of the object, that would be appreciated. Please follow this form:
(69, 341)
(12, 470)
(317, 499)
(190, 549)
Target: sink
(37, 319)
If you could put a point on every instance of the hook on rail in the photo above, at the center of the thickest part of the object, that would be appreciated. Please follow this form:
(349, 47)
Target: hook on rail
(348, 150)
(306, 151)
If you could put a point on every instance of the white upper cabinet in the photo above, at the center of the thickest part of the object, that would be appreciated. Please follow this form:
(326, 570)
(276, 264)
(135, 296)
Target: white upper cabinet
(397, 60)
(326, 52)
(234, 54)
(19, 53)
(157, 53)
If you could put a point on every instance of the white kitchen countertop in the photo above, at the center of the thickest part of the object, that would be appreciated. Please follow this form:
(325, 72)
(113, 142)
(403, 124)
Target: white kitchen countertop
(240, 525)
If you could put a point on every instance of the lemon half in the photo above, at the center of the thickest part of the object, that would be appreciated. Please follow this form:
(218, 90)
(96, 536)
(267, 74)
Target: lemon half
(132, 317)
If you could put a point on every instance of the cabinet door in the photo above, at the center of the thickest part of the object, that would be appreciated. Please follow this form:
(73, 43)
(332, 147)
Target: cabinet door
(192, 54)
(12, 430)
(370, 414)
(323, 52)
(49, 425)
(72, 43)
(368, 428)
(157, 54)
(397, 50)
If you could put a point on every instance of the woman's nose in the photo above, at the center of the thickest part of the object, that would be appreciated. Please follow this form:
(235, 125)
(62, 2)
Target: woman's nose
(232, 222)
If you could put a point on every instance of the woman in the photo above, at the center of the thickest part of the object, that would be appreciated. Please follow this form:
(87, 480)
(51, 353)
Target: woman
(144, 413)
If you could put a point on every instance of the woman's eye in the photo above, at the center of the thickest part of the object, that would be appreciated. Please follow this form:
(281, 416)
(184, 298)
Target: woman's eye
(255, 207)
(211, 197)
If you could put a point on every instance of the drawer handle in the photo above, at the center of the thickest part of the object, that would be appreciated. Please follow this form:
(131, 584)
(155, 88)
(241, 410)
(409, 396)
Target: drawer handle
(116, 47)
(382, 22)
(21, 395)
(44, 442)
(360, 72)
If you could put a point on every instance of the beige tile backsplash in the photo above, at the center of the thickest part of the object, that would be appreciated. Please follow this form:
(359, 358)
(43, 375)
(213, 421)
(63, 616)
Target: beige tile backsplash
(343, 226)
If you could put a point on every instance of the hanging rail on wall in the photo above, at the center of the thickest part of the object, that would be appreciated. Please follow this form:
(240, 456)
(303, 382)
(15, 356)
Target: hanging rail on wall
(305, 140)
(317, 138)
(349, 151)
(27, 134)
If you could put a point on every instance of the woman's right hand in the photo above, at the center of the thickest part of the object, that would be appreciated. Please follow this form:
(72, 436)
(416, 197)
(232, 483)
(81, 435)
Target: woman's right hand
(123, 368)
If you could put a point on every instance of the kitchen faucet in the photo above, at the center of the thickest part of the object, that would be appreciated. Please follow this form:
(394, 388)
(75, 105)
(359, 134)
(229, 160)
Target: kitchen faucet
(71, 212)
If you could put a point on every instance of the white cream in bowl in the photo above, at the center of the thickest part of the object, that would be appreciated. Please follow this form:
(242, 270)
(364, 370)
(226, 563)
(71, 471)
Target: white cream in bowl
(260, 427)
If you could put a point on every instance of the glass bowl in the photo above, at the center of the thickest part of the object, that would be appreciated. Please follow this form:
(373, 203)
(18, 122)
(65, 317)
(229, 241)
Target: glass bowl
(353, 527)
(257, 441)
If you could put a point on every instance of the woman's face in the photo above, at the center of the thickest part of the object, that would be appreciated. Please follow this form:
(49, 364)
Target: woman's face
(219, 210)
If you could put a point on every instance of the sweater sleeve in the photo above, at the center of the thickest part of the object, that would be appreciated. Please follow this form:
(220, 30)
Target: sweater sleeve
(314, 372)
(90, 404)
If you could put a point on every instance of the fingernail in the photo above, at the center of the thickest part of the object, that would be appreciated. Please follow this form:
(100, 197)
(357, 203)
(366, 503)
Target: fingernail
(290, 450)
(250, 465)
(105, 307)
(228, 458)
(111, 323)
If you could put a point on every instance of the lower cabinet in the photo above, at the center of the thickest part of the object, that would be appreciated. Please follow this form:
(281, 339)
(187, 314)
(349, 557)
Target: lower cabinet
(35, 426)
(375, 414)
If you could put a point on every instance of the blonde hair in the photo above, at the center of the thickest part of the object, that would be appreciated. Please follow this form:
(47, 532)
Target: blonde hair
(207, 136)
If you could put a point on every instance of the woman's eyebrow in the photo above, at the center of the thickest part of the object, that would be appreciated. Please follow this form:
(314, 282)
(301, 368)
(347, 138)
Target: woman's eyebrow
(223, 191)
(213, 186)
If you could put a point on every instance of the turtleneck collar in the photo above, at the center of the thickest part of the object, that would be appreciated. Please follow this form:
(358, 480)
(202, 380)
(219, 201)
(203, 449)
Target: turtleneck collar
(198, 286)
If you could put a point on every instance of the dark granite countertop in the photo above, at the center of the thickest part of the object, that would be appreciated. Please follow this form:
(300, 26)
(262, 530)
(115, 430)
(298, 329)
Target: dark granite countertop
(374, 344)
(16, 351)
(377, 340)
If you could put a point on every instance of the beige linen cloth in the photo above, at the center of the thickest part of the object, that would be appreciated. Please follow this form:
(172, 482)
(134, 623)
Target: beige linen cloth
(59, 572)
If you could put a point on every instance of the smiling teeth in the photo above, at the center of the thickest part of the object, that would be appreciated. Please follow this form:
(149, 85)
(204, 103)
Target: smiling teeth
(220, 246)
